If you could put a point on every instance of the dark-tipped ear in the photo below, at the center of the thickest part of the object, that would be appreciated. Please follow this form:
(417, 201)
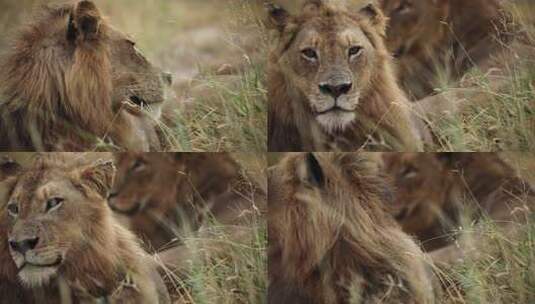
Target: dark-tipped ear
(373, 13)
(311, 172)
(99, 177)
(278, 17)
(84, 22)
(8, 167)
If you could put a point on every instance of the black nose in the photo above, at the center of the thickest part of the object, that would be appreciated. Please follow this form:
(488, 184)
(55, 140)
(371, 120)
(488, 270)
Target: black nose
(23, 246)
(335, 90)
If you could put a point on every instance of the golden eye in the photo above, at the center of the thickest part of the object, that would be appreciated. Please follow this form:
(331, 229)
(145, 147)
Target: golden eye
(310, 54)
(355, 51)
(53, 203)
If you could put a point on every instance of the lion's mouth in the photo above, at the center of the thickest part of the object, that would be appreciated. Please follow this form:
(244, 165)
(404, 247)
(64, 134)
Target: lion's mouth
(138, 101)
(136, 208)
(56, 263)
(335, 109)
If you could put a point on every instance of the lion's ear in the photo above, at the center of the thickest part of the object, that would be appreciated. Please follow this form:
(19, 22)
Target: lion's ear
(310, 171)
(84, 22)
(8, 167)
(99, 177)
(278, 17)
(373, 13)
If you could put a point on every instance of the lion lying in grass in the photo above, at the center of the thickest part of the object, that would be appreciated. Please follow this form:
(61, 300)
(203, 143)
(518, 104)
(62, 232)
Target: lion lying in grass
(436, 192)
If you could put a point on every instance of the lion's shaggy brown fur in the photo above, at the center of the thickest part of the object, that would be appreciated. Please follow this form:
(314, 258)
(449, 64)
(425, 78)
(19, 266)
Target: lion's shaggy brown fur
(63, 88)
(10, 289)
(331, 241)
(438, 41)
(103, 260)
(382, 119)
(434, 190)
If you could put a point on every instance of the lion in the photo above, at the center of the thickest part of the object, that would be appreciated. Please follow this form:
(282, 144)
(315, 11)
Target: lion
(167, 196)
(433, 190)
(441, 40)
(60, 226)
(331, 84)
(330, 239)
(71, 82)
(10, 289)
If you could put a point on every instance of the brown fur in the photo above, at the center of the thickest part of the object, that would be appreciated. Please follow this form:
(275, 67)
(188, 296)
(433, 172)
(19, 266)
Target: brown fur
(168, 195)
(433, 37)
(434, 189)
(10, 288)
(96, 257)
(380, 115)
(71, 79)
(331, 241)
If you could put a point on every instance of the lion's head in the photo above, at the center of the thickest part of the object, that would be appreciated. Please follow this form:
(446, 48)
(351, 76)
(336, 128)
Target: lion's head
(70, 69)
(330, 236)
(57, 211)
(163, 196)
(423, 187)
(140, 182)
(434, 190)
(414, 23)
(330, 58)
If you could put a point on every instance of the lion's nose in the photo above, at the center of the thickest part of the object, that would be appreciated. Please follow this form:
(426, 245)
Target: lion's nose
(23, 246)
(335, 90)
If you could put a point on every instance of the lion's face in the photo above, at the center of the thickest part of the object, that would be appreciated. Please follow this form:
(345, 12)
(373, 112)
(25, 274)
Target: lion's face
(51, 215)
(143, 183)
(422, 183)
(330, 59)
(137, 84)
(412, 23)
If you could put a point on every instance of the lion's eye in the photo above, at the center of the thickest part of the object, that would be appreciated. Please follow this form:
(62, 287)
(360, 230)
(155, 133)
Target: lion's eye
(138, 165)
(355, 51)
(13, 209)
(53, 203)
(404, 7)
(409, 172)
(310, 54)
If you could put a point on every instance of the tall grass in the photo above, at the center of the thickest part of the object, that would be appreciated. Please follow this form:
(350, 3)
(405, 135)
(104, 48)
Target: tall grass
(501, 269)
(237, 276)
(501, 117)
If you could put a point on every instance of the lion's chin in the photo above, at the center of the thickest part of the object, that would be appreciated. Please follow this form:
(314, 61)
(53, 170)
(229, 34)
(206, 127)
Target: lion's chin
(35, 276)
(336, 120)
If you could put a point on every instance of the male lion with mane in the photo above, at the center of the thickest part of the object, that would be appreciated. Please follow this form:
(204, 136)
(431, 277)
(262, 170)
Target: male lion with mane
(330, 239)
(435, 189)
(60, 226)
(71, 80)
(331, 85)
